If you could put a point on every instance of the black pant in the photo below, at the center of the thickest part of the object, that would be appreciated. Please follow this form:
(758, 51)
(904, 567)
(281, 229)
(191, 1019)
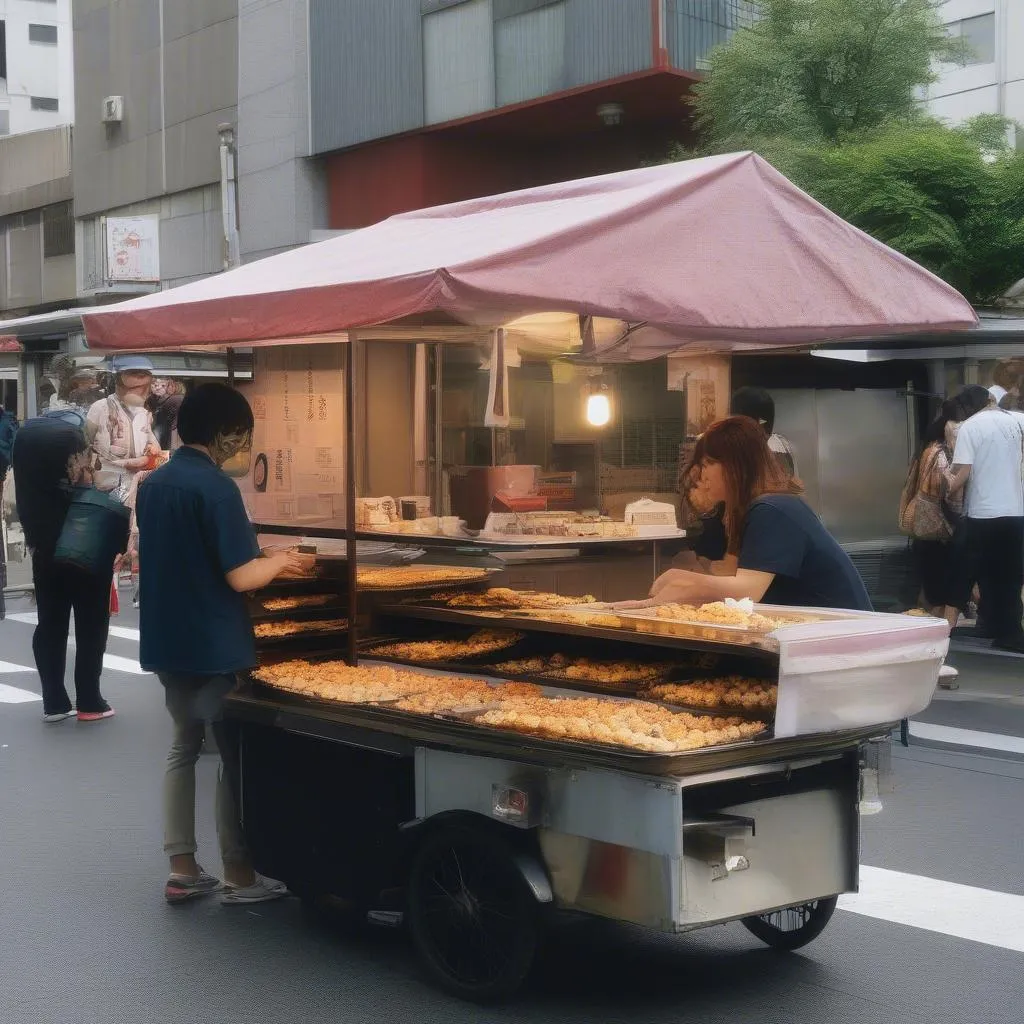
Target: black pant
(59, 589)
(995, 555)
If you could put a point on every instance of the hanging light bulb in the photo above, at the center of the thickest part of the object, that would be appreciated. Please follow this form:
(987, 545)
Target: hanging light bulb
(599, 409)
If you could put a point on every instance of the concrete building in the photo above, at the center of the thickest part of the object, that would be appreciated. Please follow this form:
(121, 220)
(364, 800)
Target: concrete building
(154, 80)
(418, 102)
(991, 79)
(36, 78)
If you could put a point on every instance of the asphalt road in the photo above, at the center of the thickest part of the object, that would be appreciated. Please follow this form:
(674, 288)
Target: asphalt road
(936, 936)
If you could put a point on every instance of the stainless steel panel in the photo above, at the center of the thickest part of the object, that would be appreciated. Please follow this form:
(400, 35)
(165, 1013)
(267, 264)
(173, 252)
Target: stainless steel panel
(458, 61)
(366, 70)
(611, 807)
(802, 849)
(863, 452)
(611, 881)
(852, 451)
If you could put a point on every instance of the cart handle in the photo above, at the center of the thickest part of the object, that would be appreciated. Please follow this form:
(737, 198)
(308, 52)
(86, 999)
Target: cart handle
(720, 823)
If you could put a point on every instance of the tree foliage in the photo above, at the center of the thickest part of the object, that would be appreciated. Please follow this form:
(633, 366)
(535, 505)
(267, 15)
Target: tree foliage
(827, 91)
(819, 70)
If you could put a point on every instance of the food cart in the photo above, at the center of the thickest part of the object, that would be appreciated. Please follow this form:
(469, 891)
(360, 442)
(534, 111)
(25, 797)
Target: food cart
(420, 742)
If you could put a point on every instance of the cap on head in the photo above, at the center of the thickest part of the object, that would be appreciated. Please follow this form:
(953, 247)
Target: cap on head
(140, 364)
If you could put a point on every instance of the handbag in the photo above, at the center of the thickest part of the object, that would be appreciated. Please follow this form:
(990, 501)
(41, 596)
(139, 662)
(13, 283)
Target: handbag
(921, 514)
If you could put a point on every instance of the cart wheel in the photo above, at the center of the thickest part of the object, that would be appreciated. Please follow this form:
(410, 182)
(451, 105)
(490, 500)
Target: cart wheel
(793, 927)
(473, 920)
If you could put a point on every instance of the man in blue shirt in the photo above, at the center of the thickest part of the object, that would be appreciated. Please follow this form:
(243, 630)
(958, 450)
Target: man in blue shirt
(199, 557)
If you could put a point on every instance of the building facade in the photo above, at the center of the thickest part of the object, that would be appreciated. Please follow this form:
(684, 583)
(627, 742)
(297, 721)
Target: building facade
(990, 80)
(36, 78)
(154, 82)
(420, 102)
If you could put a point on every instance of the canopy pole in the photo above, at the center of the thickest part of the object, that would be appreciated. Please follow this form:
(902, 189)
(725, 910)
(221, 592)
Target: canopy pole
(350, 496)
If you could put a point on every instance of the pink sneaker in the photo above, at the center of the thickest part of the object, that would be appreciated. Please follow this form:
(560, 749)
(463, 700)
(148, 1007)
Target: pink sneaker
(96, 716)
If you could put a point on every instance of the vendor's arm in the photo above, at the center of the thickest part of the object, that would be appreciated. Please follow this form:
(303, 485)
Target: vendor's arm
(230, 535)
(681, 586)
(956, 478)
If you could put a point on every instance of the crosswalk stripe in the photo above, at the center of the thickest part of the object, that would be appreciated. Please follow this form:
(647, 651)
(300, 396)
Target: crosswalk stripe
(967, 737)
(32, 619)
(15, 695)
(8, 666)
(949, 908)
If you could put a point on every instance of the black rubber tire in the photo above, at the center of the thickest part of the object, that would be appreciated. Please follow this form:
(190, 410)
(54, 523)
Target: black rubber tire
(793, 927)
(473, 920)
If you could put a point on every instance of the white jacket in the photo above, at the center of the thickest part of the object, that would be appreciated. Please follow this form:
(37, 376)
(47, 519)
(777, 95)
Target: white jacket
(118, 435)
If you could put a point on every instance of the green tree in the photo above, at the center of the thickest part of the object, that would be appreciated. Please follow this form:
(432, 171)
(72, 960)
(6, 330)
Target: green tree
(828, 91)
(818, 70)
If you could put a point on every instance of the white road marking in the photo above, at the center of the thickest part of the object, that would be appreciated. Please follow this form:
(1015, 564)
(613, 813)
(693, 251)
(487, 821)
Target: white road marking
(7, 666)
(949, 908)
(967, 737)
(118, 664)
(12, 695)
(121, 632)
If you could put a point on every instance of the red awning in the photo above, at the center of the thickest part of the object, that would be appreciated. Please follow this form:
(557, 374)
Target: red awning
(718, 253)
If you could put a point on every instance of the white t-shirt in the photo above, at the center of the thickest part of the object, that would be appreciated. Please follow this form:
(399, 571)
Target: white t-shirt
(992, 444)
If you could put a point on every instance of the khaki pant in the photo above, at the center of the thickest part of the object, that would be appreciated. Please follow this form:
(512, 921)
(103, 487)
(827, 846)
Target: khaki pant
(192, 702)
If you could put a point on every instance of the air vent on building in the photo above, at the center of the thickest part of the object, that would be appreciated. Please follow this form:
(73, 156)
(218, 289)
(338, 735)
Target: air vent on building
(113, 109)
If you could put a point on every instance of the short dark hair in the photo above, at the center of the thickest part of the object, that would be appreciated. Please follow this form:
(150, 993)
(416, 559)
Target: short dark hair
(212, 410)
(755, 403)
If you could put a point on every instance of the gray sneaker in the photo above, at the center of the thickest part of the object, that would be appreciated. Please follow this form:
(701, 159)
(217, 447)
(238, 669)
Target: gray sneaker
(263, 890)
(182, 888)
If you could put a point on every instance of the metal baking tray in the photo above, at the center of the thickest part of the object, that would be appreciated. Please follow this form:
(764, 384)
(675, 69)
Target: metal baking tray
(755, 647)
(380, 728)
(316, 638)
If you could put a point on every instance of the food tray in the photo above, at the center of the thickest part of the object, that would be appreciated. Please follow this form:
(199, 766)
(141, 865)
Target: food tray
(309, 634)
(484, 577)
(470, 660)
(335, 609)
(467, 716)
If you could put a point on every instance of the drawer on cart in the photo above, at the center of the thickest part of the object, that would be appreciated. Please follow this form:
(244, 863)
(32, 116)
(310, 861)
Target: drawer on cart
(764, 853)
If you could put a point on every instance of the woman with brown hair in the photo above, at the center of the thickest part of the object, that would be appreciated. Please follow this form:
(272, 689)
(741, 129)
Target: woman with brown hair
(783, 554)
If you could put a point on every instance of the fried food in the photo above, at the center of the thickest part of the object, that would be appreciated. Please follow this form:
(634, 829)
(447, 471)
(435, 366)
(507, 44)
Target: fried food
(611, 673)
(717, 613)
(412, 691)
(288, 604)
(519, 707)
(729, 691)
(395, 577)
(484, 641)
(636, 724)
(291, 627)
(505, 597)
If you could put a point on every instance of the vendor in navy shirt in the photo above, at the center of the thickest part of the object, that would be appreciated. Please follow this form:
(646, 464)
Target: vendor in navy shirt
(783, 554)
(198, 558)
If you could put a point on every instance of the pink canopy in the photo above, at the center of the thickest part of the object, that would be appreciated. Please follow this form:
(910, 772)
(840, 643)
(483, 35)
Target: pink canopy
(719, 253)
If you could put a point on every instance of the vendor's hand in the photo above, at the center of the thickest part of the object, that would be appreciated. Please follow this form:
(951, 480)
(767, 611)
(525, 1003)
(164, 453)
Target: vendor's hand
(294, 564)
(679, 586)
(136, 464)
(153, 448)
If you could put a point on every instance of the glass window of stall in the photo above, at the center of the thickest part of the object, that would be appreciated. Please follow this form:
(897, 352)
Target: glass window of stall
(576, 438)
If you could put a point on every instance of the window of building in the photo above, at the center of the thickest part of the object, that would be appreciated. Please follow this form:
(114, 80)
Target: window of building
(58, 230)
(3, 49)
(980, 36)
(44, 103)
(43, 34)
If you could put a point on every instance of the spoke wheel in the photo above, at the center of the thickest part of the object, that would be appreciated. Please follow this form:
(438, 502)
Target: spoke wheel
(792, 927)
(472, 918)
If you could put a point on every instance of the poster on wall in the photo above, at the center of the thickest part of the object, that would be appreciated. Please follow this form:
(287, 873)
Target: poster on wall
(705, 381)
(297, 470)
(133, 248)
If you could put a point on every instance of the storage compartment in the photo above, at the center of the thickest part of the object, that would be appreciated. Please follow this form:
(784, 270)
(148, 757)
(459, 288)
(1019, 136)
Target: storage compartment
(762, 843)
